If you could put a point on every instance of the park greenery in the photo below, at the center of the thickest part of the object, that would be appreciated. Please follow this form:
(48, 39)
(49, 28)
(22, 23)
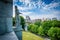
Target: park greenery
(47, 28)
(30, 36)
(22, 22)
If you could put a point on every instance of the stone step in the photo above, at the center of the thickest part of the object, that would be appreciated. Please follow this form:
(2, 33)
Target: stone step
(9, 36)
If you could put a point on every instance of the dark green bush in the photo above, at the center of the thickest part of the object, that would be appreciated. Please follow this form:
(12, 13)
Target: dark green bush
(38, 23)
(33, 28)
(49, 28)
(54, 33)
(46, 26)
(13, 21)
(55, 23)
(41, 31)
(29, 27)
(22, 21)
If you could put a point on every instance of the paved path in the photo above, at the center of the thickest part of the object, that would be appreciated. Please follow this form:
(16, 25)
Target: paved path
(9, 36)
(46, 39)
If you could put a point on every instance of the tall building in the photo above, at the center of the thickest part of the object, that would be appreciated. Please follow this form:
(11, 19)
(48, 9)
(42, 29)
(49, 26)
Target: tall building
(28, 19)
(54, 18)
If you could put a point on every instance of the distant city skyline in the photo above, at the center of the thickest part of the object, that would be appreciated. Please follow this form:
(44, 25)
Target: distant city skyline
(38, 9)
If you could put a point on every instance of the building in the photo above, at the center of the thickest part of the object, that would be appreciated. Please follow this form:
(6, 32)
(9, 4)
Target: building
(6, 30)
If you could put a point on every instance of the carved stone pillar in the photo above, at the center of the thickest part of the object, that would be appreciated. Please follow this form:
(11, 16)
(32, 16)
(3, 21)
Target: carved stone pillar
(6, 12)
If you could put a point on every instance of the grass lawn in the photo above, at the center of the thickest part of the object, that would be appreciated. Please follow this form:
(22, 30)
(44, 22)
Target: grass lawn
(30, 36)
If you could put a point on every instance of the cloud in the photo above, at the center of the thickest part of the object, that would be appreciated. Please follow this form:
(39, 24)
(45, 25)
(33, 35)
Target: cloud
(29, 5)
(51, 6)
(24, 8)
(26, 13)
(25, 1)
(23, 13)
(52, 14)
(43, 16)
(13, 11)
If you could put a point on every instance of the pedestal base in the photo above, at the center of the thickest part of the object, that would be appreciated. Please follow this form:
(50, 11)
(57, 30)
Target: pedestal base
(18, 32)
(9, 36)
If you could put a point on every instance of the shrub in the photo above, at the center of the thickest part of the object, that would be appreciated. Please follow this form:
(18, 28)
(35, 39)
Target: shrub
(22, 21)
(41, 31)
(13, 21)
(54, 33)
(33, 28)
(38, 22)
(29, 27)
(46, 26)
(55, 23)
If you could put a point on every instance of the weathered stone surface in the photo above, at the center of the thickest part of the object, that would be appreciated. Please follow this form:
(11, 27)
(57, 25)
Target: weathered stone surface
(18, 32)
(8, 36)
(5, 25)
(7, 1)
(18, 29)
(2, 25)
(19, 35)
(6, 12)
(26, 29)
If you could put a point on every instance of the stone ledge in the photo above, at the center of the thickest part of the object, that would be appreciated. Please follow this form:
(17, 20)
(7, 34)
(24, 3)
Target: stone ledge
(9, 36)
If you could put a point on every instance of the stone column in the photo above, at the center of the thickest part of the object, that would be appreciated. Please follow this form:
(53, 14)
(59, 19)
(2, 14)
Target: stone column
(6, 12)
(18, 29)
(5, 16)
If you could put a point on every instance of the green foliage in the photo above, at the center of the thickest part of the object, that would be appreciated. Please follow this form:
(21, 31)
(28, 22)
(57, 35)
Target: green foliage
(56, 23)
(29, 27)
(49, 28)
(13, 21)
(33, 28)
(54, 33)
(22, 21)
(30, 36)
(38, 23)
(46, 26)
(41, 31)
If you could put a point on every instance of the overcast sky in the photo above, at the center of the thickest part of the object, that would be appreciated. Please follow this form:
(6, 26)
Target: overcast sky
(38, 9)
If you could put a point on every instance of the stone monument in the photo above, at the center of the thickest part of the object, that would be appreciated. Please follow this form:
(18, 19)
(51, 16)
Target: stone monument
(28, 20)
(6, 12)
(26, 24)
(18, 28)
(25, 28)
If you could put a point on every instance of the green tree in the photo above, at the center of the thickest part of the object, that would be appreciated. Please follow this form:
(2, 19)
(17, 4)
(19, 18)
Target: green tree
(55, 23)
(54, 33)
(33, 28)
(46, 26)
(22, 21)
(41, 31)
(38, 23)
(13, 21)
